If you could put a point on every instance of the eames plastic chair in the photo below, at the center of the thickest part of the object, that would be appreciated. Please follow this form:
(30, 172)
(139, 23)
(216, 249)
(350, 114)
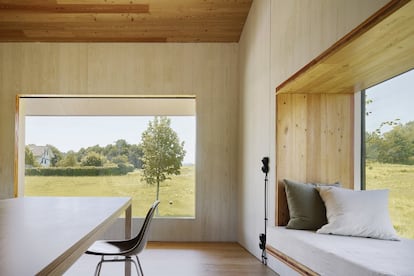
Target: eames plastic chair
(124, 248)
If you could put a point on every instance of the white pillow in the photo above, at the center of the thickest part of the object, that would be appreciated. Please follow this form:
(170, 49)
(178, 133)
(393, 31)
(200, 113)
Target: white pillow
(357, 213)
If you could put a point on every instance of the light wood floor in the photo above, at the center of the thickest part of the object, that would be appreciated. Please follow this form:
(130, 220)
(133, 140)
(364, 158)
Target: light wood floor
(184, 259)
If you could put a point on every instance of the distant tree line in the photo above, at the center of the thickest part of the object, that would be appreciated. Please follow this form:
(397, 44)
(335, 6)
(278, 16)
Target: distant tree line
(120, 153)
(395, 146)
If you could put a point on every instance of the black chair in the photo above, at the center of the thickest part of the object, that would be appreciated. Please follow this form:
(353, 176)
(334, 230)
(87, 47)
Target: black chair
(125, 248)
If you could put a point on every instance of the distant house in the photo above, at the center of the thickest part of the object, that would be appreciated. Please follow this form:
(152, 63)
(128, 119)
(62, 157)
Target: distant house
(43, 154)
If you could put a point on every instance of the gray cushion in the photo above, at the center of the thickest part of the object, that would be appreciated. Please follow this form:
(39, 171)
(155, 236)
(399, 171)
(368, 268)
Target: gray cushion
(306, 208)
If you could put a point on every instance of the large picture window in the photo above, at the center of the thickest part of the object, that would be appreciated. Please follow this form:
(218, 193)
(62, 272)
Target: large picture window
(138, 147)
(389, 147)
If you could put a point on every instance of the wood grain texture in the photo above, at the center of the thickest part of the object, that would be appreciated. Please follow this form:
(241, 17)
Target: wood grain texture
(17, 144)
(123, 21)
(364, 57)
(48, 8)
(303, 30)
(184, 259)
(378, 49)
(204, 259)
(292, 263)
(206, 71)
(278, 39)
(314, 142)
(54, 231)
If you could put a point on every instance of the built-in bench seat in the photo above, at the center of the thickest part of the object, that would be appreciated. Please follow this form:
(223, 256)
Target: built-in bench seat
(310, 253)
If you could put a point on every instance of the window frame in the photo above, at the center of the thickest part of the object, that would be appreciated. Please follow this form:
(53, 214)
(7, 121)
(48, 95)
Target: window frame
(363, 140)
(22, 107)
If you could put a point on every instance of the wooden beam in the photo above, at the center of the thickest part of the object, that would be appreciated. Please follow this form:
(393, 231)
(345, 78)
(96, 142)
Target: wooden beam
(75, 8)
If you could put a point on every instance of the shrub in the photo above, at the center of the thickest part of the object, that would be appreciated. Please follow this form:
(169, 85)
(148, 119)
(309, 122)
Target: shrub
(120, 169)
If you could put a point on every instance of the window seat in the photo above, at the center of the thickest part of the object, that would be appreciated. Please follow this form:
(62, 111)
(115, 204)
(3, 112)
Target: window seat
(318, 254)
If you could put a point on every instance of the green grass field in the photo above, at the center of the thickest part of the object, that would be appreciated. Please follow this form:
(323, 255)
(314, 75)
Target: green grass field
(179, 191)
(399, 179)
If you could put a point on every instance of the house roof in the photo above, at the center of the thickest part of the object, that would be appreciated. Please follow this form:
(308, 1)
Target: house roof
(122, 21)
(39, 150)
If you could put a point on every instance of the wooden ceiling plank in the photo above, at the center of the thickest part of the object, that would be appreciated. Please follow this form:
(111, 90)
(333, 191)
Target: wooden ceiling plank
(16, 18)
(75, 8)
(98, 2)
(129, 20)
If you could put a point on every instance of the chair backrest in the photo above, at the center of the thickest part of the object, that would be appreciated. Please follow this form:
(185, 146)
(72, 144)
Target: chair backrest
(141, 239)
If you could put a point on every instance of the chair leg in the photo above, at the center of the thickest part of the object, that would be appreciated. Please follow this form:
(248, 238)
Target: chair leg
(140, 267)
(129, 259)
(126, 259)
(98, 267)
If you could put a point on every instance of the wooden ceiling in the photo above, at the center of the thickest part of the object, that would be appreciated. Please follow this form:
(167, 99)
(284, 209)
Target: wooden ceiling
(122, 20)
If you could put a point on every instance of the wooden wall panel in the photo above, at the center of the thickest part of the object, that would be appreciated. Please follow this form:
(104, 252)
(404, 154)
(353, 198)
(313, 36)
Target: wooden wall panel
(279, 38)
(379, 48)
(314, 141)
(208, 71)
(302, 30)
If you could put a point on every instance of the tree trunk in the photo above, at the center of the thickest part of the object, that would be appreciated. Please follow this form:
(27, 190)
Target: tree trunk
(158, 193)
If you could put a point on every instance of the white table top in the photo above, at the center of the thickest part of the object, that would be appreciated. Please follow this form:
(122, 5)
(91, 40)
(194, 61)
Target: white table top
(45, 235)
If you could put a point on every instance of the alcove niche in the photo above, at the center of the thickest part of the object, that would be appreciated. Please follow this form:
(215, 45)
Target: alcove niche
(318, 108)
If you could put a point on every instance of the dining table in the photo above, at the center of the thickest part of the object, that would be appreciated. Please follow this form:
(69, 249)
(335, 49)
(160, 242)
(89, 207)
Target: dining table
(46, 235)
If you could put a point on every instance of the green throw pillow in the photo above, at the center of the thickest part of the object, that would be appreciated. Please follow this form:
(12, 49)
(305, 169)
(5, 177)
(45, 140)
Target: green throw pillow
(306, 208)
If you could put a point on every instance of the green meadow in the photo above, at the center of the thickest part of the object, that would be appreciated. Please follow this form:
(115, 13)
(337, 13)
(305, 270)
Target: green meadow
(399, 179)
(177, 195)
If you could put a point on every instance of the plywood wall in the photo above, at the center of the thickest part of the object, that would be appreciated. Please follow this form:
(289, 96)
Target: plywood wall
(279, 38)
(303, 29)
(315, 134)
(208, 71)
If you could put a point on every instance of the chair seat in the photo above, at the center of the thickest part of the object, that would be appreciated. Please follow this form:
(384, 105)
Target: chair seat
(110, 247)
(128, 248)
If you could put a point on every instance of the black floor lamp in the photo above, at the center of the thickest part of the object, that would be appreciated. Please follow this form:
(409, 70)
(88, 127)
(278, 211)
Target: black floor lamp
(262, 236)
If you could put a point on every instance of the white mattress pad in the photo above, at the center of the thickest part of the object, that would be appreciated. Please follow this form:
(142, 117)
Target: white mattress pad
(340, 255)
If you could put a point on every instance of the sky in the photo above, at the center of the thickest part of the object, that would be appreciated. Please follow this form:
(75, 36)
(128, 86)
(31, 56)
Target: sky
(392, 99)
(74, 132)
